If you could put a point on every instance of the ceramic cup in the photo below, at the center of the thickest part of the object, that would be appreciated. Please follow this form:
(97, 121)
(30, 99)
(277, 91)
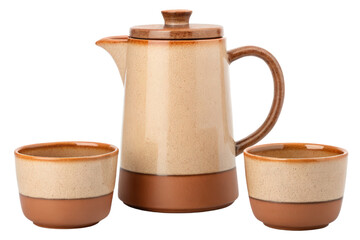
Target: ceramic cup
(295, 186)
(66, 184)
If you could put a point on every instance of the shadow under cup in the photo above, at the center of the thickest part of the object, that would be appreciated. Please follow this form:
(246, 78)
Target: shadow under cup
(295, 186)
(66, 184)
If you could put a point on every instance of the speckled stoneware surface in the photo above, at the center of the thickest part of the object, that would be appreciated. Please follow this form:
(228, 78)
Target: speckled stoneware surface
(164, 133)
(298, 174)
(60, 182)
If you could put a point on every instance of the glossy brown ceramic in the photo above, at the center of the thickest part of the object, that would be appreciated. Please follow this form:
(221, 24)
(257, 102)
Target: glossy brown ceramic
(66, 184)
(176, 26)
(295, 186)
(177, 113)
(66, 213)
(181, 193)
(296, 216)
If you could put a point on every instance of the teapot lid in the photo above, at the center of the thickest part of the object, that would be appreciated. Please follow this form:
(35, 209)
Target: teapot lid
(176, 26)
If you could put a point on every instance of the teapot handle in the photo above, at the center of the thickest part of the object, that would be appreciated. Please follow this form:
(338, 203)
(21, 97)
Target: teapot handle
(278, 99)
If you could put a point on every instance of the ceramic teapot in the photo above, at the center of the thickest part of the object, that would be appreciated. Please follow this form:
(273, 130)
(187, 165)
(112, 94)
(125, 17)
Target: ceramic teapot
(178, 152)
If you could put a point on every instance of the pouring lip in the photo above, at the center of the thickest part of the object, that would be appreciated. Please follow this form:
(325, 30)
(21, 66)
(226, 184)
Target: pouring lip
(112, 39)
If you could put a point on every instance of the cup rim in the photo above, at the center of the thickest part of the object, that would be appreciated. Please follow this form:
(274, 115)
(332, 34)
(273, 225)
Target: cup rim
(310, 146)
(113, 151)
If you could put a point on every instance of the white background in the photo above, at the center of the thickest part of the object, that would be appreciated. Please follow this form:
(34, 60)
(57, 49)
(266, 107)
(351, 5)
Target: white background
(56, 84)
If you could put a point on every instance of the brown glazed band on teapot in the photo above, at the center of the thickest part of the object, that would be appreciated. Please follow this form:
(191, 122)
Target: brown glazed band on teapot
(178, 151)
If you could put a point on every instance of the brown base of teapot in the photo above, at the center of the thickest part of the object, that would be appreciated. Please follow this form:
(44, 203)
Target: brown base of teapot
(181, 210)
(178, 193)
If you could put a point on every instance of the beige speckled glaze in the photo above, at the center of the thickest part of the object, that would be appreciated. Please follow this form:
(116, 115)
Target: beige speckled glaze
(66, 170)
(177, 111)
(177, 114)
(295, 173)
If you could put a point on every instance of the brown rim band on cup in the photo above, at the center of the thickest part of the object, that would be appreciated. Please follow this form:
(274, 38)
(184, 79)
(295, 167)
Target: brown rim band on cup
(259, 152)
(24, 151)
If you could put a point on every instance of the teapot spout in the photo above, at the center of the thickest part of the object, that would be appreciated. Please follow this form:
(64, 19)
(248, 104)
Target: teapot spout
(117, 47)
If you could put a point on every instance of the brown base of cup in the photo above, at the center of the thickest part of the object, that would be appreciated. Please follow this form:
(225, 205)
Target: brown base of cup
(296, 228)
(296, 216)
(66, 213)
(66, 227)
(180, 193)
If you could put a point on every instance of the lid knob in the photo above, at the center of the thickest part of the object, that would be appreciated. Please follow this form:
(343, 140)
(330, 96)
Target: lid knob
(177, 17)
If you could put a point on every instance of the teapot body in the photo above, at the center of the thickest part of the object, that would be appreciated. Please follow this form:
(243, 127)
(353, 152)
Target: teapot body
(177, 112)
(178, 151)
